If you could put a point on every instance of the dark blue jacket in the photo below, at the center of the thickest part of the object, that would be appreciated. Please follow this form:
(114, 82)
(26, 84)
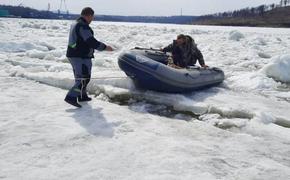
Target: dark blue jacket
(81, 41)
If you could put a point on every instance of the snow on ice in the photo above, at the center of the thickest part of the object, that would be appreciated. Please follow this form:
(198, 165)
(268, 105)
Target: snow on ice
(236, 35)
(279, 68)
(238, 130)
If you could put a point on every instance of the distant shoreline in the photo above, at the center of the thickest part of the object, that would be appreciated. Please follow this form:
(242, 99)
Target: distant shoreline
(278, 17)
(244, 26)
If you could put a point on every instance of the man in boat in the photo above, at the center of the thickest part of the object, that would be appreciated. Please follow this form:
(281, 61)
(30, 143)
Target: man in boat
(184, 52)
(80, 52)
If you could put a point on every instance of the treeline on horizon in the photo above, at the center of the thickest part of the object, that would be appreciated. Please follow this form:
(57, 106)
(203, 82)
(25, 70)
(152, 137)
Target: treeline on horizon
(26, 12)
(274, 15)
(254, 11)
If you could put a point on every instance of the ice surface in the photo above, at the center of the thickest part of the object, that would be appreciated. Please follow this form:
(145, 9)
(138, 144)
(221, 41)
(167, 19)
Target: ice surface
(236, 35)
(20, 47)
(279, 68)
(44, 138)
(238, 130)
(248, 64)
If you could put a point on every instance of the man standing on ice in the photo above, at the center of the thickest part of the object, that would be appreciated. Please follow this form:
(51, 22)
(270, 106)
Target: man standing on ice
(80, 52)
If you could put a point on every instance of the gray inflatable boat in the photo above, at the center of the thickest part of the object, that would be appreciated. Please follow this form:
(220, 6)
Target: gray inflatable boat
(148, 70)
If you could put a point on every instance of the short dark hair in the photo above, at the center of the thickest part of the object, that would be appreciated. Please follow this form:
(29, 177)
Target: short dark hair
(87, 11)
(181, 36)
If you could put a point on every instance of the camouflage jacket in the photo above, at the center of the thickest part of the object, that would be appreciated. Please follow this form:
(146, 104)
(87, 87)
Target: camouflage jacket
(186, 54)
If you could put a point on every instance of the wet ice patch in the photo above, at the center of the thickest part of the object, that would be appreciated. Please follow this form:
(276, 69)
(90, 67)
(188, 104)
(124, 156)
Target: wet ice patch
(279, 68)
(161, 110)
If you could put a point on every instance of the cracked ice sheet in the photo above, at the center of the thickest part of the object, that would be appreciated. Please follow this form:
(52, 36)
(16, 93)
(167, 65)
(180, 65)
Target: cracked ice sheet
(44, 138)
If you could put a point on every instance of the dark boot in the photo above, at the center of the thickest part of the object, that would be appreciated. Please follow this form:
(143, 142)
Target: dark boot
(84, 98)
(72, 101)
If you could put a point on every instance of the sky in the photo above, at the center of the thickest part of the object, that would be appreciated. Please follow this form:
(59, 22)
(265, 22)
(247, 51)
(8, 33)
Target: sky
(144, 7)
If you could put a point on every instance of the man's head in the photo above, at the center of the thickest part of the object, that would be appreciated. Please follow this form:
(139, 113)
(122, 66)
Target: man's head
(88, 14)
(180, 39)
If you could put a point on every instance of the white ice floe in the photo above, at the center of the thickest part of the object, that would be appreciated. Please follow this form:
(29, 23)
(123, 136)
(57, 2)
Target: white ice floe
(49, 47)
(47, 55)
(20, 47)
(264, 55)
(259, 41)
(236, 35)
(33, 25)
(279, 68)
